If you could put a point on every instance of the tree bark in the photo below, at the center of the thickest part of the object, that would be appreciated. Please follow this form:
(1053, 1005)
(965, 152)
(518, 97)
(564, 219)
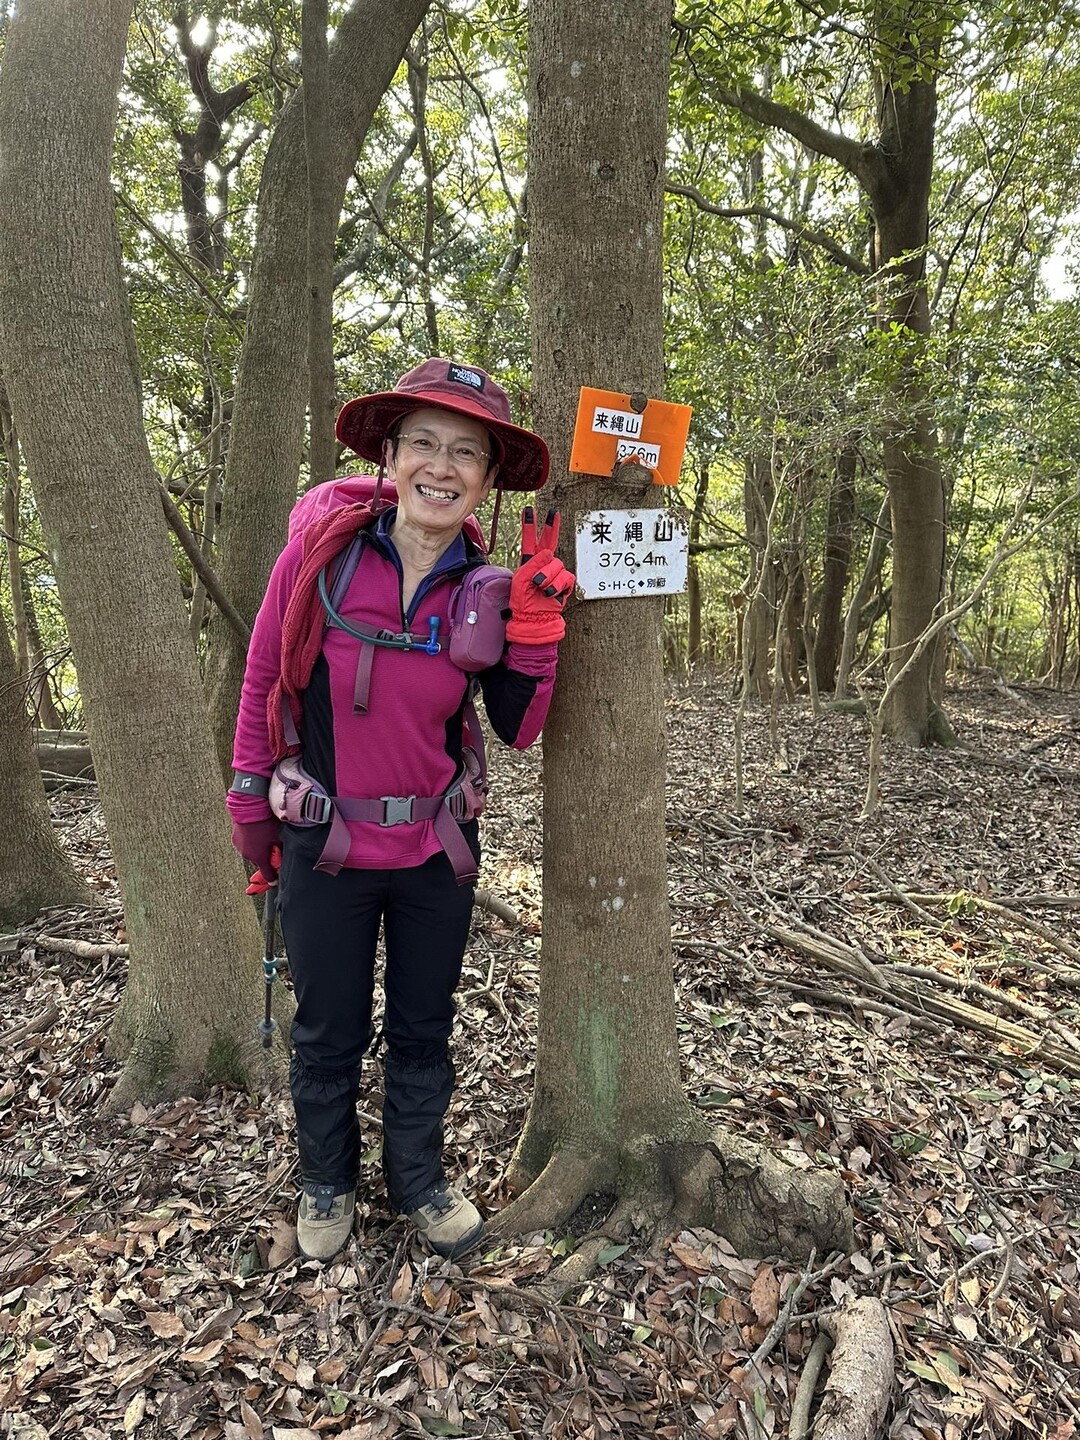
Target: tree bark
(271, 392)
(840, 521)
(185, 1019)
(608, 1111)
(693, 574)
(761, 589)
(322, 226)
(899, 191)
(34, 870)
(862, 1377)
(875, 558)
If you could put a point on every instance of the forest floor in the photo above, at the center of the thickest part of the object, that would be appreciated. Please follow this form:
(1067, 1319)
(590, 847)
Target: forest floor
(148, 1279)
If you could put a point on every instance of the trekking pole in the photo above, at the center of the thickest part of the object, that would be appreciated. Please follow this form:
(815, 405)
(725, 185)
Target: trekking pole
(267, 1025)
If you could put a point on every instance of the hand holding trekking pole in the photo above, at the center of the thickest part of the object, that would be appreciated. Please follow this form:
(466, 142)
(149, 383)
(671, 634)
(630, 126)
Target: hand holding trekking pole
(267, 1025)
(540, 586)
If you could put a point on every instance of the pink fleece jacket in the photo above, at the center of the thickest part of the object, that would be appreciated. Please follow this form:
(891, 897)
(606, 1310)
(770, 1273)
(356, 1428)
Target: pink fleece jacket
(408, 742)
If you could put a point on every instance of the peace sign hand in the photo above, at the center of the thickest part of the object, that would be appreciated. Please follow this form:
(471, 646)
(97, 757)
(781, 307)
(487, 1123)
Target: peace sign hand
(540, 586)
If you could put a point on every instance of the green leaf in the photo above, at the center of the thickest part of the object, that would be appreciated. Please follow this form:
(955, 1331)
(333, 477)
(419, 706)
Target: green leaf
(565, 1246)
(760, 1405)
(641, 1333)
(249, 1264)
(337, 1401)
(436, 1426)
(715, 1098)
(924, 1371)
(1062, 1160)
(611, 1252)
(908, 1143)
(945, 1361)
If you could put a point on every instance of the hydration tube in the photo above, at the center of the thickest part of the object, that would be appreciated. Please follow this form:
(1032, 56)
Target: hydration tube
(406, 641)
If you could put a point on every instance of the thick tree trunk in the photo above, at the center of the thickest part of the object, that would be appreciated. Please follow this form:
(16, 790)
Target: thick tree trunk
(68, 351)
(271, 394)
(34, 870)
(322, 224)
(837, 564)
(899, 186)
(609, 1113)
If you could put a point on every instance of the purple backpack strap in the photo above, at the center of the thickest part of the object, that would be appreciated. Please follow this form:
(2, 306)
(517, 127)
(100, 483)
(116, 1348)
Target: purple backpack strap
(362, 685)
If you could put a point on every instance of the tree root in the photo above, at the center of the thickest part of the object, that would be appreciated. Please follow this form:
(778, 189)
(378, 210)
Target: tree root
(552, 1197)
(576, 1268)
(859, 1387)
(762, 1204)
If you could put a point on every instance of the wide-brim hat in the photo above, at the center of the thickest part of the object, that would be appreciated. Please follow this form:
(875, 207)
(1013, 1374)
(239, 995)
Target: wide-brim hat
(363, 424)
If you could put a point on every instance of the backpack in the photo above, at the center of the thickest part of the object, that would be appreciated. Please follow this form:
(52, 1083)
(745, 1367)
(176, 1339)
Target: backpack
(479, 606)
(478, 611)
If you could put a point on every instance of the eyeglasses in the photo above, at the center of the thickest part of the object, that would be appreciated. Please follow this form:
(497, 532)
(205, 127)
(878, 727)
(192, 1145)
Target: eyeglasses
(463, 454)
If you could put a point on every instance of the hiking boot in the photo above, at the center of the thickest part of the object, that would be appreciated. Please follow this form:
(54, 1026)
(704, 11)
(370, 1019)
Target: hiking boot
(449, 1222)
(325, 1221)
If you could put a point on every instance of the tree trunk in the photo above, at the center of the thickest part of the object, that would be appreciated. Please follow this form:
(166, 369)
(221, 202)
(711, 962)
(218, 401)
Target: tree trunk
(896, 172)
(39, 678)
(899, 187)
(609, 1114)
(322, 224)
(34, 870)
(875, 558)
(186, 1016)
(693, 574)
(271, 392)
(837, 564)
(758, 500)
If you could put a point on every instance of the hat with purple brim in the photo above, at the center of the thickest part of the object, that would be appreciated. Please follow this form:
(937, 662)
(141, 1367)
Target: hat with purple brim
(466, 389)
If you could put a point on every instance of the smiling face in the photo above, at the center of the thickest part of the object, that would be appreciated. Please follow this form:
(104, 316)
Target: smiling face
(439, 485)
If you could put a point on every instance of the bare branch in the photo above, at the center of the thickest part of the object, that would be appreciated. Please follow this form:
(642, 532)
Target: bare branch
(805, 232)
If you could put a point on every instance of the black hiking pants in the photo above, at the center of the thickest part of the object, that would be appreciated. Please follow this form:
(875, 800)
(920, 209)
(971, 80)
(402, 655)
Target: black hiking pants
(331, 927)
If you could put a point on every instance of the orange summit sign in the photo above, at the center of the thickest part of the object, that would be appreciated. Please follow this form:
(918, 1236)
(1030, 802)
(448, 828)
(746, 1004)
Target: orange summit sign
(611, 427)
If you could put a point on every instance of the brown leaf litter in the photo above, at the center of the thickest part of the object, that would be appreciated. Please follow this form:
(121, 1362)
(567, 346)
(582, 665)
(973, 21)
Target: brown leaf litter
(148, 1278)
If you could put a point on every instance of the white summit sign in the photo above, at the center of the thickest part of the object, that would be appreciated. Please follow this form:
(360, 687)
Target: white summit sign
(623, 553)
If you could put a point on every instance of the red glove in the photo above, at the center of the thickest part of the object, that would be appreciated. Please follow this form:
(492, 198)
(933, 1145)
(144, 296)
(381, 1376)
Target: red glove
(257, 840)
(259, 884)
(540, 586)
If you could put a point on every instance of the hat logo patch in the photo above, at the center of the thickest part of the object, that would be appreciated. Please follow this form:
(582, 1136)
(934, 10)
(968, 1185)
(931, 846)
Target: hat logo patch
(461, 376)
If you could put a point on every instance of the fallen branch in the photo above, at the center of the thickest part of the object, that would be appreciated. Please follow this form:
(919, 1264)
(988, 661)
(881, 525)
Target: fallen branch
(1017, 765)
(918, 997)
(84, 949)
(860, 1384)
(799, 1428)
(485, 900)
(987, 992)
(850, 1002)
(993, 907)
(36, 1026)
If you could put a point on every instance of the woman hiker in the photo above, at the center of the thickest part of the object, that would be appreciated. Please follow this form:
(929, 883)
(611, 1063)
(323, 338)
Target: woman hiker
(378, 721)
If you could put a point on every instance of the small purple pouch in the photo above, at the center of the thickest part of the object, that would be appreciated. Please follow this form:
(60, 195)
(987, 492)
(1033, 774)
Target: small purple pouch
(479, 609)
